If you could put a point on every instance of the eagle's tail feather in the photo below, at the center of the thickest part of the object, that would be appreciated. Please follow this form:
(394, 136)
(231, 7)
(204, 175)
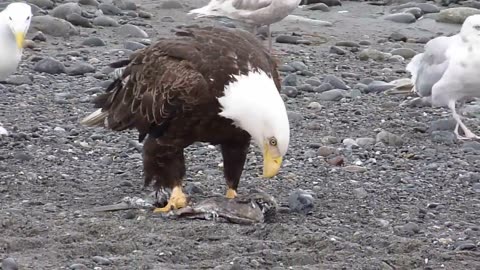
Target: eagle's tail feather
(97, 118)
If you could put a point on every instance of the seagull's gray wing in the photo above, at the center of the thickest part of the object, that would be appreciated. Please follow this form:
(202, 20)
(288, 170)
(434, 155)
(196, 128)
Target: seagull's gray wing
(251, 4)
(428, 68)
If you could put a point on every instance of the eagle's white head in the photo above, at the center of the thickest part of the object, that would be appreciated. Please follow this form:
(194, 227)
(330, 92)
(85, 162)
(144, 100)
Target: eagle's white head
(18, 17)
(471, 28)
(252, 101)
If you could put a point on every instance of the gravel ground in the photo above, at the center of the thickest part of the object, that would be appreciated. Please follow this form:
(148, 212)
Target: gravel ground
(392, 187)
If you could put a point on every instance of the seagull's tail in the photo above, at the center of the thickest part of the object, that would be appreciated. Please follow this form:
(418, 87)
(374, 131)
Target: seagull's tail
(97, 118)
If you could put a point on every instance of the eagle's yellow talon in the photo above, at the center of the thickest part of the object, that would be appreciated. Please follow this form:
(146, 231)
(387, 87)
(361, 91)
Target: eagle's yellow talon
(231, 194)
(177, 200)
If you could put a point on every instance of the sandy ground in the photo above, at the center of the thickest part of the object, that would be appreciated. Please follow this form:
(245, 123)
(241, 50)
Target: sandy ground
(415, 206)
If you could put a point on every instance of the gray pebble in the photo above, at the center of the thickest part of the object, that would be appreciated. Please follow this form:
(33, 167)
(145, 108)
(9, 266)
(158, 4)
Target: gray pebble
(415, 11)
(290, 80)
(171, 4)
(105, 21)
(93, 42)
(49, 65)
(337, 50)
(389, 138)
(313, 82)
(298, 66)
(360, 193)
(77, 19)
(378, 86)
(130, 30)
(18, 80)
(323, 87)
(133, 46)
(428, 8)
(362, 142)
(147, 15)
(305, 88)
(45, 4)
(443, 136)
(443, 124)
(397, 37)
(333, 95)
(372, 54)
(108, 9)
(319, 6)
(401, 18)
(465, 245)
(300, 201)
(101, 260)
(125, 4)
(89, 2)
(53, 26)
(63, 10)
(290, 91)
(314, 106)
(335, 82)
(471, 145)
(408, 229)
(347, 44)
(80, 68)
(9, 264)
(287, 39)
(78, 266)
(404, 52)
(286, 68)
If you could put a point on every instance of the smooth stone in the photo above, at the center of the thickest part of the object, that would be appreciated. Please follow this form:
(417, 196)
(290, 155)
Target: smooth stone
(93, 42)
(415, 11)
(319, 6)
(130, 30)
(379, 86)
(428, 8)
(78, 20)
(456, 15)
(171, 4)
(404, 52)
(63, 10)
(53, 26)
(133, 46)
(335, 82)
(80, 69)
(389, 138)
(401, 18)
(301, 201)
(337, 50)
(105, 21)
(108, 9)
(443, 136)
(372, 54)
(333, 95)
(49, 65)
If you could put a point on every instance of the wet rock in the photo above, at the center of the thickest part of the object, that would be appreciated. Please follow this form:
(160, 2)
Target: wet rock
(443, 124)
(287, 39)
(298, 66)
(44, 4)
(78, 20)
(415, 11)
(290, 91)
(397, 37)
(290, 80)
(78, 266)
(147, 15)
(89, 2)
(372, 54)
(456, 15)
(337, 50)
(323, 87)
(326, 151)
(49, 65)
(428, 8)
(133, 46)
(363, 142)
(360, 193)
(18, 80)
(314, 106)
(401, 18)
(465, 245)
(355, 169)
(125, 4)
(301, 201)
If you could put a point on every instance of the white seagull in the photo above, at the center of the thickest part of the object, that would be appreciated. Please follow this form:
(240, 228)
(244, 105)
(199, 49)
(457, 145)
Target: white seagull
(254, 12)
(447, 71)
(14, 24)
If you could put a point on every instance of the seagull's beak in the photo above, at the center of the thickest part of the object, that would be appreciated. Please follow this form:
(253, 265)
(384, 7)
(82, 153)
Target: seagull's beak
(20, 38)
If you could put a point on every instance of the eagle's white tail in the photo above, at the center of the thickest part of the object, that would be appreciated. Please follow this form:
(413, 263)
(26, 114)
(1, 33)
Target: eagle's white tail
(97, 118)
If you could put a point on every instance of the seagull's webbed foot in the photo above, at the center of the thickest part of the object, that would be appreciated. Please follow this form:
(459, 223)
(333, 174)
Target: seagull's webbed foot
(469, 135)
(177, 200)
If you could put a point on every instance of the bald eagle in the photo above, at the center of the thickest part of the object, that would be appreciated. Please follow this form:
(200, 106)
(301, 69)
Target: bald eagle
(210, 84)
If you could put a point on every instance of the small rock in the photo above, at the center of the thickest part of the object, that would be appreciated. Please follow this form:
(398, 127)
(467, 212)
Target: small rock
(300, 201)
(93, 42)
(130, 30)
(77, 19)
(80, 69)
(171, 4)
(456, 15)
(326, 151)
(335, 82)
(53, 26)
(314, 106)
(147, 15)
(323, 87)
(389, 138)
(133, 46)
(408, 229)
(9, 264)
(360, 193)
(336, 161)
(350, 143)
(298, 66)
(372, 54)
(443, 124)
(287, 39)
(443, 136)
(397, 37)
(333, 95)
(401, 17)
(319, 6)
(355, 169)
(63, 10)
(105, 21)
(108, 9)
(378, 87)
(78, 266)
(18, 80)
(3, 131)
(415, 11)
(465, 245)
(428, 8)
(49, 65)
(350, 44)
(404, 52)
(362, 142)
(101, 260)
(290, 91)
(337, 50)
(290, 80)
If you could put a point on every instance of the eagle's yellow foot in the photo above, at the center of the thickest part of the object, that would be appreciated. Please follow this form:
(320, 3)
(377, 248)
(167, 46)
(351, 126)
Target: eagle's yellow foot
(231, 194)
(177, 200)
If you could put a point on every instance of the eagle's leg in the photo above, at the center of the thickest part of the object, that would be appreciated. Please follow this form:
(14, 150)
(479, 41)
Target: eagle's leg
(234, 156)
(164, 166)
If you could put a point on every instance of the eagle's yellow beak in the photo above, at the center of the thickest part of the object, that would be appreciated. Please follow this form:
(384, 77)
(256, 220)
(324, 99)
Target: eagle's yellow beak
(271, 164)
(20, 38)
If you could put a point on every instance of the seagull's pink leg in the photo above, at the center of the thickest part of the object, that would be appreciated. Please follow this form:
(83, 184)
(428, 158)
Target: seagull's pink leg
(468, 133)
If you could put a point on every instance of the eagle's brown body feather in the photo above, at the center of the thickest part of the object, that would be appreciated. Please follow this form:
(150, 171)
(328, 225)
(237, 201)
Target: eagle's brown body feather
(168, 92)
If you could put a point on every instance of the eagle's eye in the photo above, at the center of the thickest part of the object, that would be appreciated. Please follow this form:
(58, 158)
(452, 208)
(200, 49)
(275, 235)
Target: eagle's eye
(476, 27)
(273, 142)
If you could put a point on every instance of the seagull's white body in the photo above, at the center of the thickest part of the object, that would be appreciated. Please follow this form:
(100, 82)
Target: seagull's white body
(448, 70)
(14, 23)
(255, 12)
